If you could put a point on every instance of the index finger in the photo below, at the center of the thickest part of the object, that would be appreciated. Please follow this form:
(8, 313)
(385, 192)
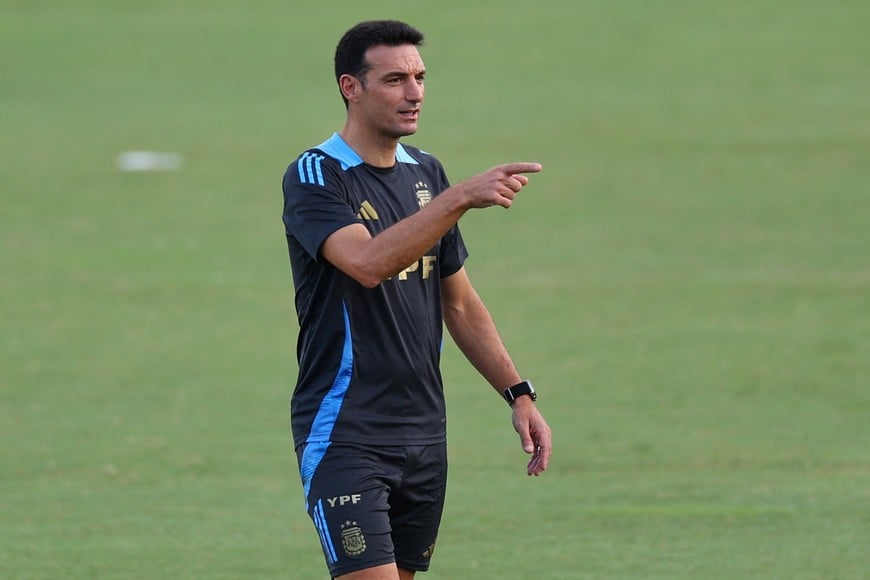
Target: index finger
(514, 168)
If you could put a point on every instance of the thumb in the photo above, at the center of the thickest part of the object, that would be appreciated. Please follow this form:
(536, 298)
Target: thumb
(526, 440)
(521, 425)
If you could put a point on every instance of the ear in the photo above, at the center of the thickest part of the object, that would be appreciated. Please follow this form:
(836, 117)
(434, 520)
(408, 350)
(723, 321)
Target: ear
(350, 87)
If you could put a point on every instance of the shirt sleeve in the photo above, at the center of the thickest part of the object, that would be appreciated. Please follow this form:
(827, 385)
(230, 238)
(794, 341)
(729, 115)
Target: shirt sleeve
(453, 251)
(315, 202)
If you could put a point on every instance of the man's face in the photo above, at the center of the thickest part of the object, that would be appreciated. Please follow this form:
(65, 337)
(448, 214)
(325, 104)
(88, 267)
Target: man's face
(390, 98)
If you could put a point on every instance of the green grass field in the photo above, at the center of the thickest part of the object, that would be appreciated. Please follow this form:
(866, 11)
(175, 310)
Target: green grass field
(687, 283)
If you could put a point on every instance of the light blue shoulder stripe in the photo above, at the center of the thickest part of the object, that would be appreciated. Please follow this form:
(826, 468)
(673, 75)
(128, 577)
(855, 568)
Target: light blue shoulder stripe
(309, 169)
(318, 440)
(403, 156)
(336, 148)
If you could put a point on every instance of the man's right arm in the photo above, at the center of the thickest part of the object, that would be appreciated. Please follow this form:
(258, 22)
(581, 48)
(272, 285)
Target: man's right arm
(371, 260)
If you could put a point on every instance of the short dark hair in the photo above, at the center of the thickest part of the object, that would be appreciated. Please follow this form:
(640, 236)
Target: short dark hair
(351, 50)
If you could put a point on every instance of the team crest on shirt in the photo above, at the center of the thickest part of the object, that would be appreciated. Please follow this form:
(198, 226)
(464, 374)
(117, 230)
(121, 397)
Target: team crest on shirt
(352, 539)
(424, 196)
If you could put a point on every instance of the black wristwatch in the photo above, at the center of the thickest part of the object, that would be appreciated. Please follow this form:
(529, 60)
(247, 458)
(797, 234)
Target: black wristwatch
(518, 390)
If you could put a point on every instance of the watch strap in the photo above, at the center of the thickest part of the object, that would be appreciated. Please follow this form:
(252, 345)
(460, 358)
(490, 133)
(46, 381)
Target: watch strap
(518, 390)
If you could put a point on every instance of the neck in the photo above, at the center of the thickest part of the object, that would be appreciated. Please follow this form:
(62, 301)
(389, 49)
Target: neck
(373, 149)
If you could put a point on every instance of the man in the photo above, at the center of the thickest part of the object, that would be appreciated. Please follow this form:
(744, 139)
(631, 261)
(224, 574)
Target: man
(377, 262)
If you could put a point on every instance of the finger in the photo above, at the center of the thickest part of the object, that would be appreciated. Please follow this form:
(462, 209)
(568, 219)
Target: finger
(543, 461)
(543, 450)
(536, 467)
(514, 168)
(524, 181)
(538, 463)
(532, 466)
(504, 200)
(513, 184)
(546, 450)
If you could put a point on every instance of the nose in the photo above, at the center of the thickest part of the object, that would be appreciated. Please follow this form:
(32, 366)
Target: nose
(414, 92)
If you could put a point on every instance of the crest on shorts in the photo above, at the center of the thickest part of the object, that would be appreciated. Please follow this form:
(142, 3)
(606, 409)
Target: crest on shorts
(424, 196)
(352, 539)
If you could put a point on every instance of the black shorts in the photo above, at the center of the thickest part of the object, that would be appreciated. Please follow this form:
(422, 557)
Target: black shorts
(374, 505)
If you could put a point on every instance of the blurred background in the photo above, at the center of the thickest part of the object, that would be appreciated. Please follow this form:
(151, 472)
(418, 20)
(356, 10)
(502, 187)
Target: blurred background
(687, 283)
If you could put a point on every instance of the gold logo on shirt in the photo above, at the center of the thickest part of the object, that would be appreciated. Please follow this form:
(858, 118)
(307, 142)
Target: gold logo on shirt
(367, 211)
(425, 265)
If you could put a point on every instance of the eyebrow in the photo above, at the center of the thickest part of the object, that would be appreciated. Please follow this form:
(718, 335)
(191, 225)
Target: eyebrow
(402, 73)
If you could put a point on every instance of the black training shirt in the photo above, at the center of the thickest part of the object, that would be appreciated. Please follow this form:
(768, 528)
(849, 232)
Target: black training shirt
(368, 358)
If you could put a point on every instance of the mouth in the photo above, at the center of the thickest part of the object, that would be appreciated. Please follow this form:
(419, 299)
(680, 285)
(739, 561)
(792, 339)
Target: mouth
(410, 115)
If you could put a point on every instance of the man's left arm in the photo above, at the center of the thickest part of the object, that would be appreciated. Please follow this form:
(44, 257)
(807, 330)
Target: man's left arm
(474, 332)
